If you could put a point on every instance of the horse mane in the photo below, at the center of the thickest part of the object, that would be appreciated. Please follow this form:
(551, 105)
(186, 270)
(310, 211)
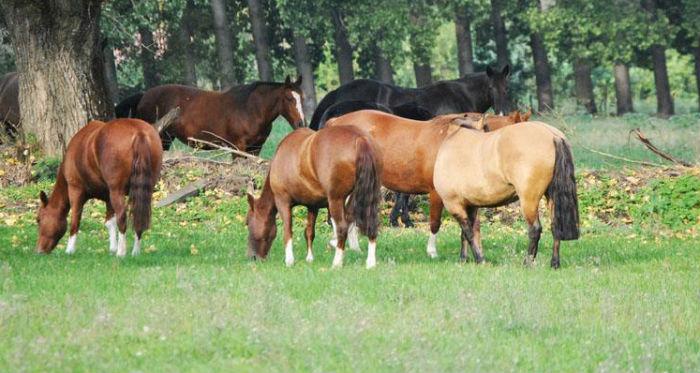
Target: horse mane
(240, 93)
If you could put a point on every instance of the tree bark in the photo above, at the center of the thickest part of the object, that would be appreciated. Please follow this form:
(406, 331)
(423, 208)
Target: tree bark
(382, 66)
(584, 85)
(499, 33)
(424, 74)
(59, 56)
(110, 74)
(623, 89)
(186, 41)
(306, 69)
(697, 71)
(224, 43)
(260, 38)
(543, 75)
(465, 53)
(664, 101)
(343, 49)
(151, 77)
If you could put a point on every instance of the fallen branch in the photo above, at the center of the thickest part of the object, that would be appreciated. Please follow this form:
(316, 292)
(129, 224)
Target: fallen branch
(228, 149)
(167, 119)
(190, 190)
(644, 163)
(645, 140)
(170, 161)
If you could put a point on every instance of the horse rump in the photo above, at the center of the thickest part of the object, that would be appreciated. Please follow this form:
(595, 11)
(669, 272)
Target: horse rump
(141, 184)
(366, 193)
(562, 192)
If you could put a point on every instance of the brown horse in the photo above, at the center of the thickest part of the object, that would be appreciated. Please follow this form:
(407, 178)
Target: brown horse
(334, 167)
(241, 116)
(476, 169)
(9, 104)
(104, 161)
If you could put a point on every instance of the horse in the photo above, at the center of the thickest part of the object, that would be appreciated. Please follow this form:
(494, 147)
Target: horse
(524, 162)
(472, 93)
(240, 116)
(9, 104)
(338, 168)
(105, 161)
(345, 107)
(127, 107)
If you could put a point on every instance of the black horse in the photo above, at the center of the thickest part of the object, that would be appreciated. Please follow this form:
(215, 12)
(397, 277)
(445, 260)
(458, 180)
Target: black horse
(472, 93)
(127, 107)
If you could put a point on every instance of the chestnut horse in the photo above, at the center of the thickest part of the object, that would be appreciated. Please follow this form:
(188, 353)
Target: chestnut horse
(105, 161)
(338, 168)
(475, 169)
(240, 116)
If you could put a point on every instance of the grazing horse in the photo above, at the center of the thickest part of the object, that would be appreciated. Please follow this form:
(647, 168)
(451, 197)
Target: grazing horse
(338, 168)
(105, 161)
(240, 116)
(472, 93)
(475, 169)
(9, 104)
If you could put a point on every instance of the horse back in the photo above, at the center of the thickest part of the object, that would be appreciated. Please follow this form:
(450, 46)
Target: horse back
(159, 100)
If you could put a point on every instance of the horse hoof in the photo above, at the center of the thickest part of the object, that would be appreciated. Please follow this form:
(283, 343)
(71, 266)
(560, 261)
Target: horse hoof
(529, 261)
(408, 224)
(289, 263)
(555, 263)
(309, 258)
(432, 254)
(394, 223)
(371, 264)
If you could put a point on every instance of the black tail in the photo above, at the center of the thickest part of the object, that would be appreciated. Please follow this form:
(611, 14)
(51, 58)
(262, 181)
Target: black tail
(562, 192)
(367, 194)
(127, 107)
(327, 101)
(141, 184)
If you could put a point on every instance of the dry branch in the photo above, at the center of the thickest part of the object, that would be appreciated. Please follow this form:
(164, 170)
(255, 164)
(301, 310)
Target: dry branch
(167, 119)
(645, 140)
(228, 150)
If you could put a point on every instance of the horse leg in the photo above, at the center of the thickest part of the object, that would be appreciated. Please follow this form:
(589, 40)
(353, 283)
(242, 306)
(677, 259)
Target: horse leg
(395, 210)
(436, 207)
(534, 229)
(336, 207)
(353, 231)
(116, 198)
(466, 223)
(111, 224)
(285, 211)
(555, 248)
(311, 214)
(405, 209)
(77, 200)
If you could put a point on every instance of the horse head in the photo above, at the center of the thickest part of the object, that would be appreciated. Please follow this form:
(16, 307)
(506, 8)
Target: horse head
(498, 89)
(261, 227)
(293, 102)
(52, 225)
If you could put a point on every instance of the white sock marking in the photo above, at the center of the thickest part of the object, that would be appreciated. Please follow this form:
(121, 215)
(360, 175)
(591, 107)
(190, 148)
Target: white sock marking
(288, 254)
(334, 240)
(432, 248)
(309, 255)
(70, 249)
(111, 225)
(300, 109)
(353, 238)
(338, 258)
(121, 245)
(371, 254)
(137, 246)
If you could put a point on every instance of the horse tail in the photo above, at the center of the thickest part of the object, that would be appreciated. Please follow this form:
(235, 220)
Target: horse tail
(317, 120)
(562, 192)
(367, 193)
(127, 107)
(141, 184)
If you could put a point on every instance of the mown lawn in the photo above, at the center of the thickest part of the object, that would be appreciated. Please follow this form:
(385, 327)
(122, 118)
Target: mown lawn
(626, 298)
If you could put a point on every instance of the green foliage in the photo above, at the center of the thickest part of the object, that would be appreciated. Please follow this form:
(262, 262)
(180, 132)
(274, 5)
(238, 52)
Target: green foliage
(46, 169)
(674, 202)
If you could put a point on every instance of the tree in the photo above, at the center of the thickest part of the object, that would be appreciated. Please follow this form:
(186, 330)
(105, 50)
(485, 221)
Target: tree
(224, 43)
(343, 48)
(623, 90)
(110, 73)
(543, 75)
(58, 98)
(465, 53)
(423, 22)
(664, 101)
(306, 70)
(260, 39)
(499, 33)
(151, 76)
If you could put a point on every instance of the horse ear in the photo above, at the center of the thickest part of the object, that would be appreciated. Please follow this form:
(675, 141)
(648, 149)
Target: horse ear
(515, 116)
(43, 198)
(489, 71)
(526, 116)
(288, 80)
(505, 71)
(298, 82)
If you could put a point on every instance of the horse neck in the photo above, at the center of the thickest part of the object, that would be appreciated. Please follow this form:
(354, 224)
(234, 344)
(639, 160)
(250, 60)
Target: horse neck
(477, 84)
(269, 96)
(59, 195)
(265, 205)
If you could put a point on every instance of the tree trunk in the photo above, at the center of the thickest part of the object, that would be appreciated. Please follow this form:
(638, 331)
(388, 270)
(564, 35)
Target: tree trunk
(186, 41)
(424, 74)
(343, 49)
(306, 69)
(664, 101)
(584, 85)
(151, 77)
(58, 53)
(697, 71)
(543, 75)
(260, 38)
(224, 43)
(623, 89)
(465, 53)
(110, 74)
(382, 68)
(499, 33)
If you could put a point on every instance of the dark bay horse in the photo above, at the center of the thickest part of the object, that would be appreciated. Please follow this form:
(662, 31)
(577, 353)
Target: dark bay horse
(523, 162)
(338, 168)
(241, 116)
(9, 104)
(105, 161)
(472, 93)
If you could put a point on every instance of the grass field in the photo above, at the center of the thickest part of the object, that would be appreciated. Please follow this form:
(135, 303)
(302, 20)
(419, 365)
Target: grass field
(626, 299)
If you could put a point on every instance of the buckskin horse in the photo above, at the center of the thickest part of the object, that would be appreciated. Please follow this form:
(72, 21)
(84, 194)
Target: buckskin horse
(9, 104)
(523, 162)
(240, 116)
(338, 168)
(472, 93)
(105, 161)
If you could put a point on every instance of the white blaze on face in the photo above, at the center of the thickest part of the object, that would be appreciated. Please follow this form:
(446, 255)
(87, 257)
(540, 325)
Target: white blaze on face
(300, 109)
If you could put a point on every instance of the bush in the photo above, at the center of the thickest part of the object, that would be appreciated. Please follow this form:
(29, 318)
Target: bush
(46, 169)
(674, 202)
